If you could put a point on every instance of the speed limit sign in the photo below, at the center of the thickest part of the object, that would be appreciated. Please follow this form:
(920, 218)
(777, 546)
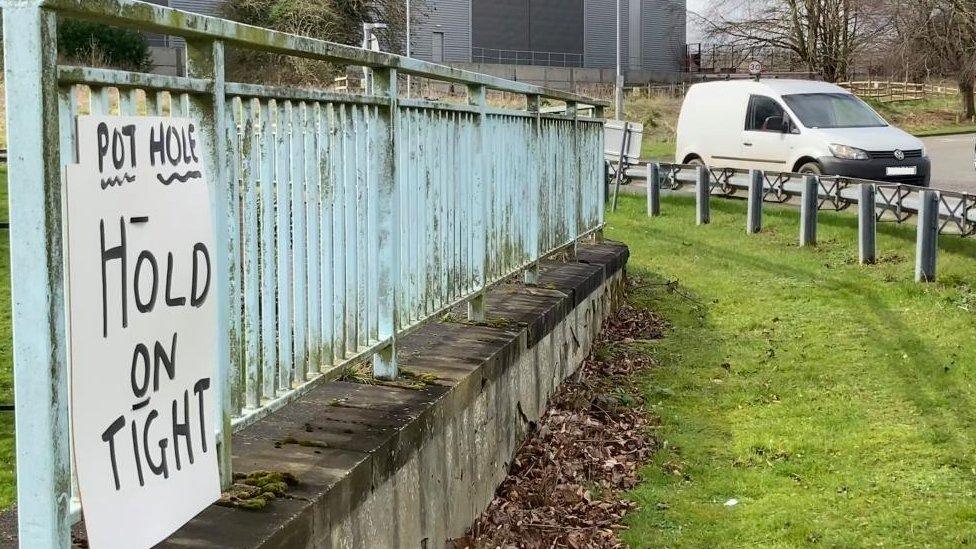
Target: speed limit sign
(755, 68)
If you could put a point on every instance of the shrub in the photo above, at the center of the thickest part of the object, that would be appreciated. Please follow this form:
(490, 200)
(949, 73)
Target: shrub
(98, 44)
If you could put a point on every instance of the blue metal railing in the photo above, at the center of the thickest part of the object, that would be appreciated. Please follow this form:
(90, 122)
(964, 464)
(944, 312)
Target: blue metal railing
(346, 220)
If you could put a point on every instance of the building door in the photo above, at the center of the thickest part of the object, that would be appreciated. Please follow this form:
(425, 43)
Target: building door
(437, 48)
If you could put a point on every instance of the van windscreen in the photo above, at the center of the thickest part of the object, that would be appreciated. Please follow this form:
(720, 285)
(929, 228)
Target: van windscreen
(833, 110)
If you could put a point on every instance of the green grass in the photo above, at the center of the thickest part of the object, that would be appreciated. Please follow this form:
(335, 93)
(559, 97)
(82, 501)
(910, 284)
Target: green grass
(926, 118)
(835, 402)
(8, 490)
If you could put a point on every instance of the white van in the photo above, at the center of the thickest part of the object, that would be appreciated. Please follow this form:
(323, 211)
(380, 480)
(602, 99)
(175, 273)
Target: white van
(795, 126)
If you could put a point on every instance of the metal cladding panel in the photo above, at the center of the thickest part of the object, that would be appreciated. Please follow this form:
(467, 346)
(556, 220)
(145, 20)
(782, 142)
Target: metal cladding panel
(204, 7)
(599, 37)
(556, 25)
(501, 24)
(663, 24)
(451, 17)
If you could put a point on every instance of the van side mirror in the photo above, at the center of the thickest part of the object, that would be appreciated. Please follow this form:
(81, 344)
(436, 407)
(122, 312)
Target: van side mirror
(776, 124)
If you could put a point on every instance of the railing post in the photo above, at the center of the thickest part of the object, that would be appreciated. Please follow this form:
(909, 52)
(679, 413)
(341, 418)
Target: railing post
(39, 348)
(702, 195)
(532, 105)
(754, 217)
(808, 210)
(205, 59)
(867, 224)
(574, 209)
(478, 97)
(653, 189)
(385, 359)
(927, 243)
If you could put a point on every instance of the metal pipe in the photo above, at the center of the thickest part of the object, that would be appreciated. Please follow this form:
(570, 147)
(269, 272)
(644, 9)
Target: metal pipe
(653, 189)
(867, 225)
(754, 218)
(808, 210)
(927, 242)
(702, 195)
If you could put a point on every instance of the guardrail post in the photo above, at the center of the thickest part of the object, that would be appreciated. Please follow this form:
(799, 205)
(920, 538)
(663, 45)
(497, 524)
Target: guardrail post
(39, 348)
(702, 195)
(205, 59)
(653, 189)
(478, 97)
(927, 243)
(867, 222)
(754, 217)
(808, 210)
(385, 358)
(532, 105)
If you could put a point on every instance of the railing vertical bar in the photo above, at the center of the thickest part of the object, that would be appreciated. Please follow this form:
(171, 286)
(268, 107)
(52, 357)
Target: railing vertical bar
(283, 183)
(341, 246)
(477, 96)
(411, 219)
(249, 150)
(385, 214)
(128, 102)
(269, 281)
(313, 160)
(352, 234)
(68, 111)
(235, 171)
(299, 193)
(360, 224)
(327, 168)
(379, 141)
(205, 59)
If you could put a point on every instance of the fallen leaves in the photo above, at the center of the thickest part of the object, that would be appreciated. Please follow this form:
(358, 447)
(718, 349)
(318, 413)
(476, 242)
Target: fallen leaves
(565, 484)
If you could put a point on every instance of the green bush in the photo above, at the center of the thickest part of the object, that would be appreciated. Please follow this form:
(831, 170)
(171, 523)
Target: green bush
(101, 45)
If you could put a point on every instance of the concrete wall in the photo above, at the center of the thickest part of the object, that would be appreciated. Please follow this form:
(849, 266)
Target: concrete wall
(391, 466)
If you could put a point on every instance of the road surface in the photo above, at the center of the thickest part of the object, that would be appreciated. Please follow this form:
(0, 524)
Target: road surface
(952, 162)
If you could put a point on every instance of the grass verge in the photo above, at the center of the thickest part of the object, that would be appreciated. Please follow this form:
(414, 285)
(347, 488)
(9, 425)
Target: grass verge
(835, 403)
(8, 490)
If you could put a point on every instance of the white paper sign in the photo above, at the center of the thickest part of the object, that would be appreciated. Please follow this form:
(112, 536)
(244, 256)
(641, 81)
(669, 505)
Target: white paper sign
(142, 327)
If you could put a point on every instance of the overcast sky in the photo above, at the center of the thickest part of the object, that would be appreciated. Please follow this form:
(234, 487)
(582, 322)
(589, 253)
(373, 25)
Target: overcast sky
(697, 6)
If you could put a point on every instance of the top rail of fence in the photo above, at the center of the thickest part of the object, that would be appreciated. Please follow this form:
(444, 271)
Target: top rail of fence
(166, 20)
(898, 202)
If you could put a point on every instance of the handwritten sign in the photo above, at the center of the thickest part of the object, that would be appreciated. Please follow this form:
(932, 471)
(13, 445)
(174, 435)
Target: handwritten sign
(142, 327)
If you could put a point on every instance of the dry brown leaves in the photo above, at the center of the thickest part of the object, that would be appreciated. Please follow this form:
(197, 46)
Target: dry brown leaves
(565, 484)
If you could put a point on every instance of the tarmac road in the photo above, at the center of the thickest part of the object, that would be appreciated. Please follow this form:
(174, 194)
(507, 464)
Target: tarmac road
(952, 162)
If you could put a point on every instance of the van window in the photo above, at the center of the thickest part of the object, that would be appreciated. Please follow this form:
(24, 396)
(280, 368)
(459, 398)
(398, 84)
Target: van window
(833, 110)
(761, 109)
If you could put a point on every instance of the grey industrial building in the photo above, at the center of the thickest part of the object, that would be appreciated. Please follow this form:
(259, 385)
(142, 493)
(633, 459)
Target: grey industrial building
(558, 43)
(555, 33)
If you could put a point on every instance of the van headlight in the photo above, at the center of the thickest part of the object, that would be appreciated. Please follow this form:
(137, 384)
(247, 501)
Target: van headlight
(848, 153)
(925, 152)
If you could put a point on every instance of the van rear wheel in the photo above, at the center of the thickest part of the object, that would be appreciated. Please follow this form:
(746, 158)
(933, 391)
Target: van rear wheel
(811, 168)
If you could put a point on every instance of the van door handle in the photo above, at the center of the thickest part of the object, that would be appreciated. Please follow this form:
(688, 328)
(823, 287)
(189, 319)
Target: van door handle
(747, 144)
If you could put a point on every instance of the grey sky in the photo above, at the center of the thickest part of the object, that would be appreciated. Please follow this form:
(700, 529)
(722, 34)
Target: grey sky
(697, 6)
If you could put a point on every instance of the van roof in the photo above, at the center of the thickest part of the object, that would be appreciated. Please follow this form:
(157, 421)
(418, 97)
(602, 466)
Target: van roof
(773, 86)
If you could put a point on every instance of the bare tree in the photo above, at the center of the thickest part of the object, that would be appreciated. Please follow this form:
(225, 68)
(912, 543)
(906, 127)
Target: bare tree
(938, 38)
(333, 20)
(826, 35)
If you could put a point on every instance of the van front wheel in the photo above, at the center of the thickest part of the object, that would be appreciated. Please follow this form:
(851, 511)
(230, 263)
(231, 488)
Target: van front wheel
(811, 168)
